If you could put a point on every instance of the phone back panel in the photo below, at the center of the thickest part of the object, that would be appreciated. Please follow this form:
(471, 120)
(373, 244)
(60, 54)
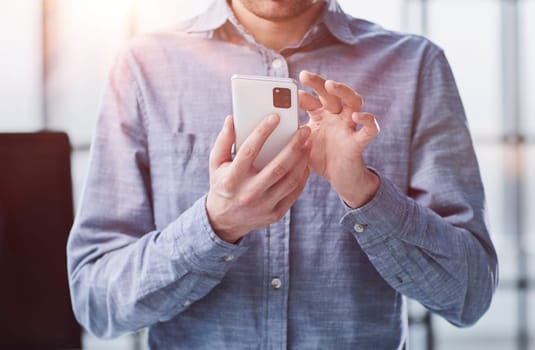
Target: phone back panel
(252, 100)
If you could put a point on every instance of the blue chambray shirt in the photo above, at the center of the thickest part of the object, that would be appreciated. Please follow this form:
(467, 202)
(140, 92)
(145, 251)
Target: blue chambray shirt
(142, 253)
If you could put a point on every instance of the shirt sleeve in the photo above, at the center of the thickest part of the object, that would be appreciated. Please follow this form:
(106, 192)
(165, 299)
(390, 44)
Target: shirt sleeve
(432, 243)
(124, 274)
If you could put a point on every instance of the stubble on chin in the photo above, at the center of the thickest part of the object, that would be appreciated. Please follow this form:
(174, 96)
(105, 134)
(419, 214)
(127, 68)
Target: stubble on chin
(278, 10)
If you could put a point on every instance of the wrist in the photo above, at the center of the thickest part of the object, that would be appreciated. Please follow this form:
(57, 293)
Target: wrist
(225, 235)
(224, 232)
(364, 190)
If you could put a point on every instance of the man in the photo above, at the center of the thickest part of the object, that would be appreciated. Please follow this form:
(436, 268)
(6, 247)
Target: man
(210, 253)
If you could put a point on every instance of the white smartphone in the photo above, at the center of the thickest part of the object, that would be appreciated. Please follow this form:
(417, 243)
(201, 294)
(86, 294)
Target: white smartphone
(253, 98)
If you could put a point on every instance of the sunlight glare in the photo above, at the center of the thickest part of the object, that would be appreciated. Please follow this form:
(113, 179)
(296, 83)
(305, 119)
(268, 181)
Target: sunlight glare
(154, 15)
(111, 10)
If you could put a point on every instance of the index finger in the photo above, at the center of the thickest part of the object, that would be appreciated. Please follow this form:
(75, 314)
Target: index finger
(348, 96)
(252, 145)
(221, 151)
(317, 83)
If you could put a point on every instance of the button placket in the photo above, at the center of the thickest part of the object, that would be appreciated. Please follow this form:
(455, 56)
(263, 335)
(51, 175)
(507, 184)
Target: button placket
(277, 283)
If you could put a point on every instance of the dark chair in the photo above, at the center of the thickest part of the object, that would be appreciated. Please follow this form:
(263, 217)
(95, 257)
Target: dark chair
(36, 213)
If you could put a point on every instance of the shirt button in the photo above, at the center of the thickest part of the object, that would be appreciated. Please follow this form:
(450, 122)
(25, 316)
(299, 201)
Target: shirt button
(276, 283)
(228, 258)
(187, 303)
(359, 228)
(277, 63)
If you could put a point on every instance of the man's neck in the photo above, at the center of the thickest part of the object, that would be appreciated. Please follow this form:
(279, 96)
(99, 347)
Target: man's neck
(276, 34)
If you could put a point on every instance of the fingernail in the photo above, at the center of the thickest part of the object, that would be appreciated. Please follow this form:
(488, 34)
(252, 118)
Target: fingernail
(273, 119)
(226, 123)
(304, 131)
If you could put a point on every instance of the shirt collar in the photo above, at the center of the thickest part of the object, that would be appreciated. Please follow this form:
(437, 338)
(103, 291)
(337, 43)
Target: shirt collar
(338, 23)
(334, 18)
(217, 13)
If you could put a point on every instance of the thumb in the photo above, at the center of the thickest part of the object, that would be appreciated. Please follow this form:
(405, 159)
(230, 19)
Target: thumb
(369, 130)
(221, 152)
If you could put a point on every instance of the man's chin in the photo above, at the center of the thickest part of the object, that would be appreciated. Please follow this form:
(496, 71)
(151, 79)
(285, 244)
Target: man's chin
(278, 10)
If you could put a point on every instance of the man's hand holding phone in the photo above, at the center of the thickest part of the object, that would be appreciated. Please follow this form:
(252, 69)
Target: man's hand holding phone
(241, 198)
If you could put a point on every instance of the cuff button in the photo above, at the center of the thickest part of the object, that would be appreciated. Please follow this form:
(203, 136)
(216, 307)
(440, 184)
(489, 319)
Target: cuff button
(359, 228)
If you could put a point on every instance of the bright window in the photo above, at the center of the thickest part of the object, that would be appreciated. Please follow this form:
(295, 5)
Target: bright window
(83, 37)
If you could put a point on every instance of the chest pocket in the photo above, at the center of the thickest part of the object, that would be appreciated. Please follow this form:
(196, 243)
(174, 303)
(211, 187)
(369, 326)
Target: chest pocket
(179, 173)
(191, 153)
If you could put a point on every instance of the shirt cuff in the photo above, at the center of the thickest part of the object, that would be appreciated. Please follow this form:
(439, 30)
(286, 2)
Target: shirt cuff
(196, 242)
(384, 217)
(379, 227)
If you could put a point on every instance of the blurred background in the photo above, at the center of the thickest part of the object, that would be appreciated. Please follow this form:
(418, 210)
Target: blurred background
(55, 55)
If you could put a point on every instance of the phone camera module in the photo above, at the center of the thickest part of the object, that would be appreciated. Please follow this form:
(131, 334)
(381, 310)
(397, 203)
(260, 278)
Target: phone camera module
(282, 97)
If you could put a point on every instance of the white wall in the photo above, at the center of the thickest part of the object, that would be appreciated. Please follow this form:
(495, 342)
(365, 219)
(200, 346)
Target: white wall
(20, 69)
